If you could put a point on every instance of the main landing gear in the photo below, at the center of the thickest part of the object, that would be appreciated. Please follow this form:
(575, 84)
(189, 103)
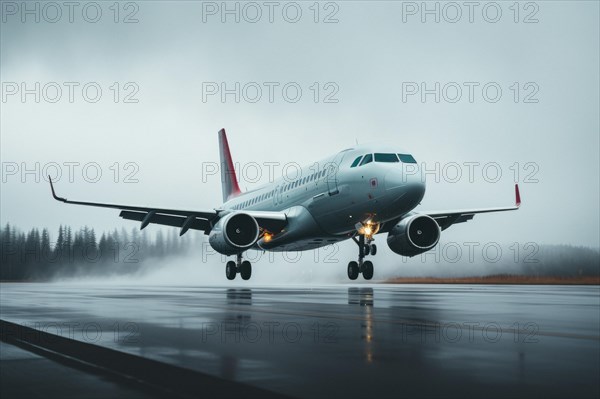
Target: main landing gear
(362, 266)
(244, 268)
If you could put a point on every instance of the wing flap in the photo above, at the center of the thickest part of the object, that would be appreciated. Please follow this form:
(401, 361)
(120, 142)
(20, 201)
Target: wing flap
(273, 222)
(167, 220)
(446, 221)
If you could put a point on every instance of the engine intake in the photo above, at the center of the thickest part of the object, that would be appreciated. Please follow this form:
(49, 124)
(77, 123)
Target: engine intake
(414, 235)
(234, 233)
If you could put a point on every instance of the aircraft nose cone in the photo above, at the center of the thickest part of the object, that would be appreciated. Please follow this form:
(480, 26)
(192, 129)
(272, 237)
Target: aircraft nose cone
(400, 183)
(394, 180)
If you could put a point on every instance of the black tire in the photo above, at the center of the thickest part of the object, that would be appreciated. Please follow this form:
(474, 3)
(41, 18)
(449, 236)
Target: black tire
(230, 270)
(367, 249)
(367, 270)
(353, 270)
(246, 270)
(373, 249)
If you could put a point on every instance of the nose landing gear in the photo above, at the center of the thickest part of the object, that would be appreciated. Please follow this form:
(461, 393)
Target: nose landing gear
(362, 266)
(244, 268)
(370, 249)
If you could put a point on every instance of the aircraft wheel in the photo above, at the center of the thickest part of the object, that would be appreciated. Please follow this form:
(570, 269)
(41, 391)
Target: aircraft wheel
(373, 249)
(352, 270)
(230, 270)
(246, 270)
(367, 249)
(367, 270)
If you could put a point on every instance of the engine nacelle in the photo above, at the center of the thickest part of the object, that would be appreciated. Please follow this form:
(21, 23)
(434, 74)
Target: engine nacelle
(234, 233)
(413, 235)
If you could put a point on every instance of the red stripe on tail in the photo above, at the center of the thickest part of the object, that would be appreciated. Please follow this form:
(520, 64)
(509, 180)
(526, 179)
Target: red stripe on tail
(229, 182)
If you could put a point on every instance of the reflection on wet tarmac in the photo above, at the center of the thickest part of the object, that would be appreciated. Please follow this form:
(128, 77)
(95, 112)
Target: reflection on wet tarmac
(357, 341)
(360, 296)
(241, 296)
(363, 296)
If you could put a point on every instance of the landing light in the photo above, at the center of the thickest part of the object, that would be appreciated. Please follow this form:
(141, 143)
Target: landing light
(368, 228)
(267, 237)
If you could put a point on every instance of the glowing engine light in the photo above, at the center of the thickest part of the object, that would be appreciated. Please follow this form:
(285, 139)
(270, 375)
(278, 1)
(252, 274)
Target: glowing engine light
(268, 237)
(367, 228)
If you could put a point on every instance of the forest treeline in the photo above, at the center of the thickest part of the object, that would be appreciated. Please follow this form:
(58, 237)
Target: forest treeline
(35, 256)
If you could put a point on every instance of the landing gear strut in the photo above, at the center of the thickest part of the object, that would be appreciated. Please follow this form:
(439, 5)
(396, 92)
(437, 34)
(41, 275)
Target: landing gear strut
(362, 266)
(244, 268)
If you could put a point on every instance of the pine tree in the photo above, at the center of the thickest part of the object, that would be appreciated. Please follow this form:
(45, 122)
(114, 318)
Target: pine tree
(60, 244)
(21, 243)
(45, 252)
(92, 239)
(171, 243)
(124, 236)
(68, 238)
(6, 253)
(77, 246)
(159, 244)
(38, 243)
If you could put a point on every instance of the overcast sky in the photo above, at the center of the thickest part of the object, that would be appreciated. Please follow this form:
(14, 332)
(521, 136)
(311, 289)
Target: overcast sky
(362, 71)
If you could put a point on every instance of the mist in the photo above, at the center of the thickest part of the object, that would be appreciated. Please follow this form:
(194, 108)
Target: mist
(157, 256)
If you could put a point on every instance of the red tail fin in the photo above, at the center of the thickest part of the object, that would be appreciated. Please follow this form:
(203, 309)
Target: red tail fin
(229, 182)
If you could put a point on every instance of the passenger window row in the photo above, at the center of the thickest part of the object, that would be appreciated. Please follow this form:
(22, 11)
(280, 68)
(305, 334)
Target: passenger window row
(255, 200)
(304, 180)
(381, 157)
(287, 187)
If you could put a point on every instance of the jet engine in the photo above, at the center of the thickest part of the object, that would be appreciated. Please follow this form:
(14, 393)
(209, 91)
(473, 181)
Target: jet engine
(413, 235)
(234, 233)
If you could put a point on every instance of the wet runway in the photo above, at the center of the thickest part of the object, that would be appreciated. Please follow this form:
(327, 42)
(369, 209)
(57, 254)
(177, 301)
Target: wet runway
(343, 341)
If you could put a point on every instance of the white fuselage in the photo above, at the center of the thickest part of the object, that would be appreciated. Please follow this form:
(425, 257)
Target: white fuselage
(328, 198)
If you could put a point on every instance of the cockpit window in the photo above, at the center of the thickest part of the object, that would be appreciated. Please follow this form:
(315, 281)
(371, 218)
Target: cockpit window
(386, 157)
(356, 161)
(367, 159)
(407, 158)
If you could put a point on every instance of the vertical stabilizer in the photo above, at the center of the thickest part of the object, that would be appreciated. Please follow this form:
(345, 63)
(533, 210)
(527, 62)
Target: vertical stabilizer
(229, 182)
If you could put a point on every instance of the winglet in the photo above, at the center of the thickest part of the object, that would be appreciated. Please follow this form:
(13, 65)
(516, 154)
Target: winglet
(53, 193)
(517, 196)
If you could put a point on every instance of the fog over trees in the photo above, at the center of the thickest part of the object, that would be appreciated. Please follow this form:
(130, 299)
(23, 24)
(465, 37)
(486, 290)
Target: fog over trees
(35, 255)
(38, 255)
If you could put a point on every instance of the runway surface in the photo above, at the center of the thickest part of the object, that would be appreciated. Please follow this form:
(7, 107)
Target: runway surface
(340, 341)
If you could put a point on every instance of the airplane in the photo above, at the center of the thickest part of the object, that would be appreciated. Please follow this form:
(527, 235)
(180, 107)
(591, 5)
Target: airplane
(355, 194)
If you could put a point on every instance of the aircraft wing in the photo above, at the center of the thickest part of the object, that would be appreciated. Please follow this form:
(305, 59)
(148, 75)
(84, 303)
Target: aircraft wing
(184, 219)
(447, 218)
